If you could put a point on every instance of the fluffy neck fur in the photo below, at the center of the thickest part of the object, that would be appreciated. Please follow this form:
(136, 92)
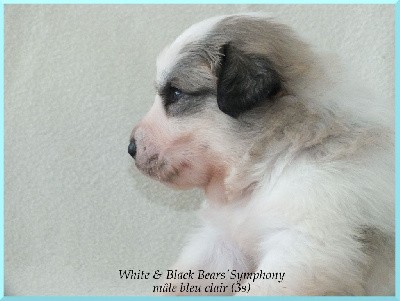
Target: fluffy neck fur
(286, 129)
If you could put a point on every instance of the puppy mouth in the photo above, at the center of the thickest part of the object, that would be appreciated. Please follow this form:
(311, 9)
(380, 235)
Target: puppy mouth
(158, 169)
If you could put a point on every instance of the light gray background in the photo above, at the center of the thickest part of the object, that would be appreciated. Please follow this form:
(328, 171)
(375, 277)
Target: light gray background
(77, 79)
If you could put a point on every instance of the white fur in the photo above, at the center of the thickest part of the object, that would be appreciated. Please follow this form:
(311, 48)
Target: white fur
(303, 216)
(170, 55)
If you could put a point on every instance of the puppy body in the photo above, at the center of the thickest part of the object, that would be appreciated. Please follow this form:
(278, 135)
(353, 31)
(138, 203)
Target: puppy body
(298, 176)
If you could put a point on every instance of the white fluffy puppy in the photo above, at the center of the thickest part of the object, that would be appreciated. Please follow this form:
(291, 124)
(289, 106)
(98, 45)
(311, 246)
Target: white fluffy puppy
(297, 166)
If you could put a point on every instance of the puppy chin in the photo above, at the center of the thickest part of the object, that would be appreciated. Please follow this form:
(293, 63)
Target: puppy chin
(157, 169)
(177, 176)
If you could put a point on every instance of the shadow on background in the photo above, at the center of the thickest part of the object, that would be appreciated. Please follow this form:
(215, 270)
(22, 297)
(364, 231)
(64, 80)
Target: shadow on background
(161, 195)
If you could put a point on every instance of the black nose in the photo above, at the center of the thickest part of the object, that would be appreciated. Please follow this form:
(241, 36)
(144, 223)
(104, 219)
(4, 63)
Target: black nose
(132, 148)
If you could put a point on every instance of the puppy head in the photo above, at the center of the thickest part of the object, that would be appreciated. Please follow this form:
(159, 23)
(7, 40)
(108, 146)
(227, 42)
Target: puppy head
(214, 83)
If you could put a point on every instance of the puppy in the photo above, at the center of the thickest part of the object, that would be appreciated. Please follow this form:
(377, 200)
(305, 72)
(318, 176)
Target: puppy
(297, 167)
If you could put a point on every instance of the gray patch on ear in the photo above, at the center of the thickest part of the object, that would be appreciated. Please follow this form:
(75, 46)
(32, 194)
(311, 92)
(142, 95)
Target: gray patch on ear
(262, 57)
(244, 81)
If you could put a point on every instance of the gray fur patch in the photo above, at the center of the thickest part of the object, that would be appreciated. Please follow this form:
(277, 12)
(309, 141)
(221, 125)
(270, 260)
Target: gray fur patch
(192, 76)
(258, 40)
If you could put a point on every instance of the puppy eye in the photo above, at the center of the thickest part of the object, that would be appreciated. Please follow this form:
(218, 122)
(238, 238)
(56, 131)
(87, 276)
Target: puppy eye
(175, 94)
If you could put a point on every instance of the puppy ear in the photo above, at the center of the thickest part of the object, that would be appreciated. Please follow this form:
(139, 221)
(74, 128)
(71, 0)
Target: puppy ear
(244, 80)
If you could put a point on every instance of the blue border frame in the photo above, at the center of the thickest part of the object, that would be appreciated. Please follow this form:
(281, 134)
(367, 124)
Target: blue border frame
(112, 298)
(2, 153)
(200, 2)
(397, 141)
